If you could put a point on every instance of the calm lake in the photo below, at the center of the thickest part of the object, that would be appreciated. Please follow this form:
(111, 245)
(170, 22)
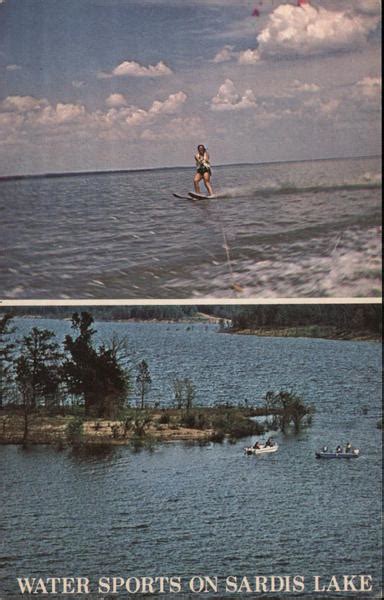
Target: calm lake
(276, 230)
(185, 510)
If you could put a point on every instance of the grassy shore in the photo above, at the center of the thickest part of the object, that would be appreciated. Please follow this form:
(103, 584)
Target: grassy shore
(309, 331)
(162, 425)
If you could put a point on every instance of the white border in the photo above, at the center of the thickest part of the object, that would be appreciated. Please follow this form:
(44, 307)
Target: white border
(186, 301)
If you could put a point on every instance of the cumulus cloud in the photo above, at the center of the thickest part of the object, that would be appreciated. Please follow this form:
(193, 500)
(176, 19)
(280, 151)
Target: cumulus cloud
(57, 115)
(169, 106)
(227, 98)
(224, 55)
(116, 100)
(292, 31)
(13, 67)
(23, 103)
(130, 68)
(249, 57)
(25, 117)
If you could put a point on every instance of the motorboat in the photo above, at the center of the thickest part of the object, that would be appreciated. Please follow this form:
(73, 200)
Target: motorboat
(352, 453)
(263, 449)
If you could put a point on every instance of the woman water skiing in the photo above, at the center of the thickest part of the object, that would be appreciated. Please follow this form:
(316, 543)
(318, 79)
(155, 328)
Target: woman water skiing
(203, 170)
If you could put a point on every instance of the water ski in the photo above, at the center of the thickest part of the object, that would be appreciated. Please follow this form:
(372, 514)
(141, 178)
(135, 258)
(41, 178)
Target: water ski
(199, 196)
(180, 196)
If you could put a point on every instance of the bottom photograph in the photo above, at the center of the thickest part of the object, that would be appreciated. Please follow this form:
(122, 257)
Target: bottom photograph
(230, 451)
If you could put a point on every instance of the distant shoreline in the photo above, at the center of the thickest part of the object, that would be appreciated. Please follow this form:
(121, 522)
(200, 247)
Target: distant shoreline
(301, 331)
(307, 331)
(169, 168)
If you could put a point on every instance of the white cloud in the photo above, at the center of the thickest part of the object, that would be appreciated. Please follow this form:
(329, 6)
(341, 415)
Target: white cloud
(116, 100)
(224, 55)
(78, 84)
(24, 118)
(23, 103)
(300, 86)
(170, 105)
(13, 67)
(292, 31)
(136, 117)
(10, 120)
(130, 68)
(249, 57)
(58, 115)
(227, 98)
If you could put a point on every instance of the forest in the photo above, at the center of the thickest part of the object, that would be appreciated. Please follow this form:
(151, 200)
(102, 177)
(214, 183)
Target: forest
(342, 318)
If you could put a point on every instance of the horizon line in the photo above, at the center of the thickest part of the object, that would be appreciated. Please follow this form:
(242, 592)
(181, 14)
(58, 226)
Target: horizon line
(54, 174)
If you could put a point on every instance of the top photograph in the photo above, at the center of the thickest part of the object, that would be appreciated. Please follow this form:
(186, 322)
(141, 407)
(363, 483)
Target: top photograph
(190, 150)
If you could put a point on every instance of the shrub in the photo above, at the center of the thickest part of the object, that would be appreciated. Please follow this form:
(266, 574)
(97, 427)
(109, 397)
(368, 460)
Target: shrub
(164, 419)
(74, 432)
(217, 437)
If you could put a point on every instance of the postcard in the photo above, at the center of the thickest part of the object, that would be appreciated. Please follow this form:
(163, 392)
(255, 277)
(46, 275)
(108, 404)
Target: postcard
(190, 299)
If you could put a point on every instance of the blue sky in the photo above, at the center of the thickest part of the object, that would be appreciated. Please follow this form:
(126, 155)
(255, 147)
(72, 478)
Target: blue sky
(125, 84)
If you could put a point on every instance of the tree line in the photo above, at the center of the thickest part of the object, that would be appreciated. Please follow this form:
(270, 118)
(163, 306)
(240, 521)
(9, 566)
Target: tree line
(111, 313)
(344, 317)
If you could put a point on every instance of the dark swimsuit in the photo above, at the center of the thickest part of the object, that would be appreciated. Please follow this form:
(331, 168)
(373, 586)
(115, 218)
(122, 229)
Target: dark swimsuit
(201, 170)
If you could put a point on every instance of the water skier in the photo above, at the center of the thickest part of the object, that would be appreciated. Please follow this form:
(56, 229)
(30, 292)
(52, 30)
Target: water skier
(203, 170)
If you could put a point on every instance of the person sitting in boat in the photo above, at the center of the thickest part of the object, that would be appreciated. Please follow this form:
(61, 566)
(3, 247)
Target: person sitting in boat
(325, 448)
(348, 447)
(339, 449)
(257, 446)
(269, 442)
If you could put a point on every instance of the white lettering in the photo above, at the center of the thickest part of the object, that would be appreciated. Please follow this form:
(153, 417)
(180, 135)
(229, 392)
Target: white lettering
(298, 583)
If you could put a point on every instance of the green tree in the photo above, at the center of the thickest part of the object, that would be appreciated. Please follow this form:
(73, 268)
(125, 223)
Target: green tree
(94, 374)
(7, 349)
(143, 381)
(25, 387)
(74, 432)
(288, 409)
(184, 392)
(38, 368)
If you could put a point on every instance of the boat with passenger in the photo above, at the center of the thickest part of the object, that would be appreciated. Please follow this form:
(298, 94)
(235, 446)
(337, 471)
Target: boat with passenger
(347, 452)
(262, 448)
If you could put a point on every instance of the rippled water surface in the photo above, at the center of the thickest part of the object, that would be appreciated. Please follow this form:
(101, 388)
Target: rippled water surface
(186, 510)
(276, 230)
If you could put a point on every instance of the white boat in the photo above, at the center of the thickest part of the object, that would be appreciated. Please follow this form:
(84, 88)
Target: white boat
(262, 450)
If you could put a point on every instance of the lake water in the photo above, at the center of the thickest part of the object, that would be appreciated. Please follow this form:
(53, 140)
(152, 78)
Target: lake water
(276, 230)
(186, 510)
